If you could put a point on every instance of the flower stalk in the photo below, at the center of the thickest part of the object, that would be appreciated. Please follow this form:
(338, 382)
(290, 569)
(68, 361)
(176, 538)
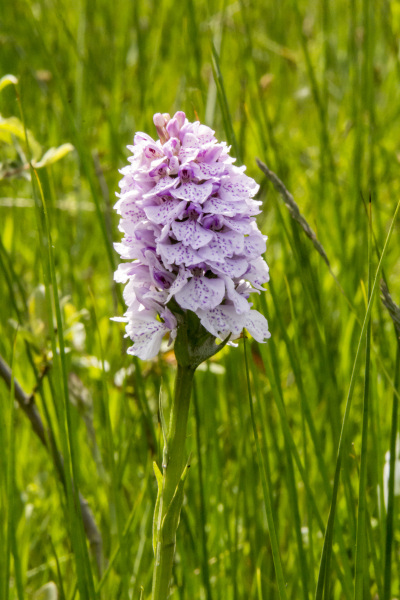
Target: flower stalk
(193, 345)
(170, 493)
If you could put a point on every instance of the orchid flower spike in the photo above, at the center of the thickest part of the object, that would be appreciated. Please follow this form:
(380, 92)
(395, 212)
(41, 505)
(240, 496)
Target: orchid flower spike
(190, 237)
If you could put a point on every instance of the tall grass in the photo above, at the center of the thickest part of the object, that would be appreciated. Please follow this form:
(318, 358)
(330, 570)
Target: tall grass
(285, 496)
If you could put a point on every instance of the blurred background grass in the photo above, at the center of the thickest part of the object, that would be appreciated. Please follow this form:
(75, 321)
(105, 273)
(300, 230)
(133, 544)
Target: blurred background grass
(311, 88)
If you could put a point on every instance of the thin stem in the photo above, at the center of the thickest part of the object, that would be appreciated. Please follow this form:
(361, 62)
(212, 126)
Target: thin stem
(267, 491)
(171, 493)
(361, 539)
(392, 476)
(205, 569)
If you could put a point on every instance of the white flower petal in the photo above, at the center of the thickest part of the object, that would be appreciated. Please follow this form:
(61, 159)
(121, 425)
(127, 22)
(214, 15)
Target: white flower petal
(191, 233)
(257, 326)
(146, 334)
(177, 254)
(222, 321)
(193, 192)
(201, 292)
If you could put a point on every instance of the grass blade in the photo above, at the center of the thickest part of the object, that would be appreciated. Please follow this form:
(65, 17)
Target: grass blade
(362, 537)
(10, 466)
(291, 482)
(392, 474)
(266, 485)
(328, 540)
(394, 313)
(223, 101)
(205, 557)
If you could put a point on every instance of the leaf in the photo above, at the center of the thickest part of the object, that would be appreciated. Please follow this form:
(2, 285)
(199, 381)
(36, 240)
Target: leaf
(163, 423)
(8, 80)
(158, 475)
(171, 519)
(159, 478)
(13, 127)
(9, 127)
(53, 155)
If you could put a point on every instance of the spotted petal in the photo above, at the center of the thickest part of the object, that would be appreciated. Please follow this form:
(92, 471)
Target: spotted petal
(257, 325)
(166, 212)
(240, 302)
(241, 225)
(191, 233)
(254, 245)
(177, 254)
(179, 282)
(165, 184)
(224, 245)
(217, 206)
(201, 292)
(233, 267)
(124, 272)
(190, 140)
(207, 171)
(146, 333)
(193, 192)
(222, 321)
(186, 154)
(258, 274)
(236, 188)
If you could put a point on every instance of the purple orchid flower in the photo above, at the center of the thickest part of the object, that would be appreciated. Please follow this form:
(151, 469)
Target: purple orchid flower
(188, 218)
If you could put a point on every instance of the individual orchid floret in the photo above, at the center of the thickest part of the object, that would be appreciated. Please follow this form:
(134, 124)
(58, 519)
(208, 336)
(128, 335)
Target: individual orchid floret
(190, 234)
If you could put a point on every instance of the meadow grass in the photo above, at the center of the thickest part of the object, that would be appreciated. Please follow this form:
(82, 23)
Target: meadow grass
(286, 495)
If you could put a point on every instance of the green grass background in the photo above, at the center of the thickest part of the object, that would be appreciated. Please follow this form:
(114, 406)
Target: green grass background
(312, 89)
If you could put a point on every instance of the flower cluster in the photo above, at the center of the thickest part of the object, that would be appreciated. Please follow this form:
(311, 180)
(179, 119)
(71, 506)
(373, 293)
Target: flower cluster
(190, 235)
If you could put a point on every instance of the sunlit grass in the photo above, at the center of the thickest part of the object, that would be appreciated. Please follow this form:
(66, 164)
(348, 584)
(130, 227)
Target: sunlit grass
(311, 89)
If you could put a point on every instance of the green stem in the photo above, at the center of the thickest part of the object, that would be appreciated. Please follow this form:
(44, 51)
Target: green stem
(392, 477)
(174, 460)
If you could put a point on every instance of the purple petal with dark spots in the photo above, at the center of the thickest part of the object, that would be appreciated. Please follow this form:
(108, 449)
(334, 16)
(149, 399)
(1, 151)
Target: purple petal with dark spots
(193, 192)
(201, 292)
(191, 233)
(165, 212)
(177, 254)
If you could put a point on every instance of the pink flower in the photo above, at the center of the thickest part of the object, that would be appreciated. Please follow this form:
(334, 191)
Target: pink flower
(190, 234)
